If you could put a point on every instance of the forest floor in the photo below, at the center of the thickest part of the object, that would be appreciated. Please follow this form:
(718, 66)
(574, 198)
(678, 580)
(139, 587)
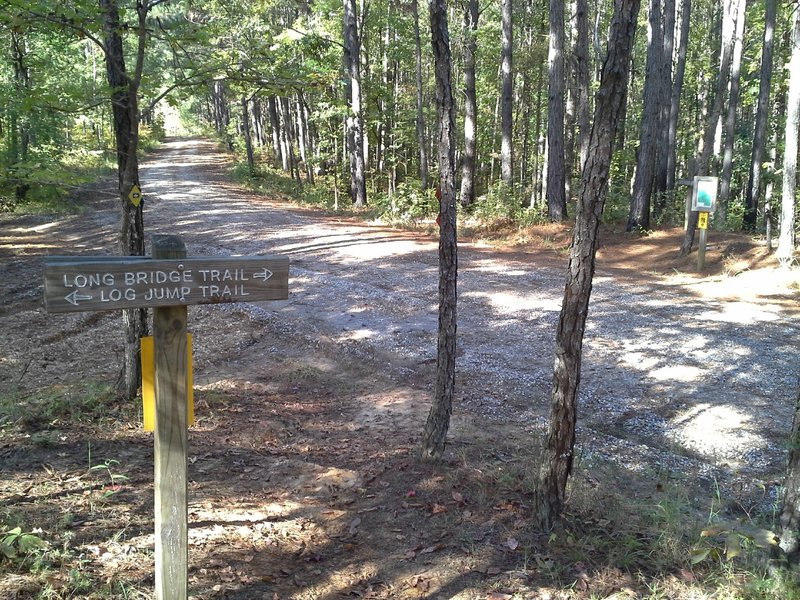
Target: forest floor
(303, 477)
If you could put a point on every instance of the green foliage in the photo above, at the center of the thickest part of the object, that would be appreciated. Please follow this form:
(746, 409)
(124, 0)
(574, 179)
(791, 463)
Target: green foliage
(16, 544)
(407, 205)
(44, 409)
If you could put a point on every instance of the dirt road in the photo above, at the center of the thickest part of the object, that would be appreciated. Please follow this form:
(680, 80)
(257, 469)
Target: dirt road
(310, 408)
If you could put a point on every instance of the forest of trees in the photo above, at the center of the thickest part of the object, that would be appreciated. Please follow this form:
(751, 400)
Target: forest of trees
(341, 95)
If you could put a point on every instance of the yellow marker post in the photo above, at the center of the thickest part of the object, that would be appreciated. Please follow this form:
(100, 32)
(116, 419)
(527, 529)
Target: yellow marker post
(702, 220)
(148, 383)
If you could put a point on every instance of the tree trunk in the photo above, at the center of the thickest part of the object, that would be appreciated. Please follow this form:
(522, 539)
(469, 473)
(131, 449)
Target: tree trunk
(355, 123)
(664, 107)
(675, 96)
(275, 126)
(556, 192)
(558, 452)
(717, 101)
(789, 542)
(762, 114)
(730, 121)
(582, 79)
(125, 110)
(422, 142)
(507, 96)
(435, 432)
(470, 104)
(639, 212)
(786, 238)
(248, 138)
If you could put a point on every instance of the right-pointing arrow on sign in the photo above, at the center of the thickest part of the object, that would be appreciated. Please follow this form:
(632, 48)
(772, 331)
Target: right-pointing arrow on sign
(75, 297)
(265, 274)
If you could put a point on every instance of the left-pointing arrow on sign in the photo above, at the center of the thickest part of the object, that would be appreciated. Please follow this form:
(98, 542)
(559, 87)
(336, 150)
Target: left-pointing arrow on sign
(75, 297)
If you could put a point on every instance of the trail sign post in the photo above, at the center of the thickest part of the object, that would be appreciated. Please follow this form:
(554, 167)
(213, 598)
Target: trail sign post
(704, 201)
(167, 283)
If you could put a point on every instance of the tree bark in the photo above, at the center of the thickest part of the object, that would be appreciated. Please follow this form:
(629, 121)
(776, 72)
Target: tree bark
(275, 126)
(470, 104)
(422, 142)
(556, 192)
(664, 107)
(355, 122)
(507, 95)
(786, 237)
(435, 432)
(789, 541)
(762, 114)
(730, 121)
(125, 111)
(639, 212)
(582, 77)
(558, 452)
(675, 96)
(248, 138)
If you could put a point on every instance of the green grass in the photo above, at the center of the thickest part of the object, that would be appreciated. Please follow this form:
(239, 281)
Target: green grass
(57, 406)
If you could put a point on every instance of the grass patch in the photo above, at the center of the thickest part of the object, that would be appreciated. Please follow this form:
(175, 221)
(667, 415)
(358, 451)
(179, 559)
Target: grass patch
(59, 405)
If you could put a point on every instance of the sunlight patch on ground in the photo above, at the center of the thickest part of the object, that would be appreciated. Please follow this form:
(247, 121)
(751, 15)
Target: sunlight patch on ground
(677, 373)
(710, 429)
(512, 303)
(744, 313)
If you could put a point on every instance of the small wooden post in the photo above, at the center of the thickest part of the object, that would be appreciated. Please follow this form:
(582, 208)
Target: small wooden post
(701, 249)
(171, 512)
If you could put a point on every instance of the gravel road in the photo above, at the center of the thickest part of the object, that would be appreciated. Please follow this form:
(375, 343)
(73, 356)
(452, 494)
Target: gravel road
(682, 377)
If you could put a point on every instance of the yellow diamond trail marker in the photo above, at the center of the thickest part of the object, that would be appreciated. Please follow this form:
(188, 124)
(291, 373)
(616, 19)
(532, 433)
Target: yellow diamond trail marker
(167, 283)
(135, 195)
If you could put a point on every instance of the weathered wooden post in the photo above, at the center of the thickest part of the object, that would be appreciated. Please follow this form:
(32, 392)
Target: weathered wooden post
(167, 283)
(170, 438)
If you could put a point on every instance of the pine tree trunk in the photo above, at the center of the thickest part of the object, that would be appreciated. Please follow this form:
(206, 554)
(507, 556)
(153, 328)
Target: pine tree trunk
(126, 129)
(675, 96)
(718, 100)
(762, 114)
(639, 212)
(355, 123)
(248, 138)
(435, 432)
(507, 96)
(470, 104)
(789, 542)
(422, 142)
(275, 126)
(786, 237)
(582, 79)
(721, 215)
(664, 107)
(558, 452)
(556, 192)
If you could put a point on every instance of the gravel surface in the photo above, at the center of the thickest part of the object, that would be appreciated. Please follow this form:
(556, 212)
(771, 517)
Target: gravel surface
(682, 377)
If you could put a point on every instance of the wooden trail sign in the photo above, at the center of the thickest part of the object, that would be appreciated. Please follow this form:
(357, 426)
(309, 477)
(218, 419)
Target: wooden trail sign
(111, 283)
(167, 283)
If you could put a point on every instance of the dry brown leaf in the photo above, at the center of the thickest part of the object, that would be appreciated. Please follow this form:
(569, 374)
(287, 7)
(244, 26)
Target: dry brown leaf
(498, 596)
(458, 497)
(438, 508)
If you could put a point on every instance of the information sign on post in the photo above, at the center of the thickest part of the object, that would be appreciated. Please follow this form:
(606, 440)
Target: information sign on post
(167, 283)
(704, 194)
